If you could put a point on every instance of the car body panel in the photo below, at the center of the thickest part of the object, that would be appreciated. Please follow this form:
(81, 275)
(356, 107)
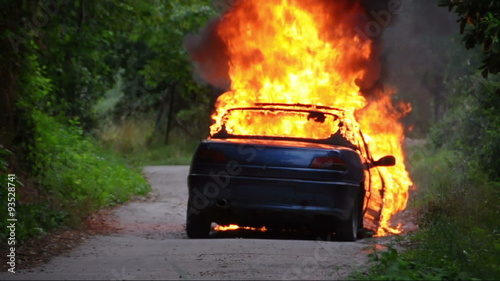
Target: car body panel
(270, 159)
(268, 196)
(269, 182)
(280, 182)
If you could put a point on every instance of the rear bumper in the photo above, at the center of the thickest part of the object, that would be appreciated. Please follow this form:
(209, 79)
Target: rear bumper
(251, 201)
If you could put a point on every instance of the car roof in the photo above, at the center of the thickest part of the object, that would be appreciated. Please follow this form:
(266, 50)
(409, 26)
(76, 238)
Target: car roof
(292, 107)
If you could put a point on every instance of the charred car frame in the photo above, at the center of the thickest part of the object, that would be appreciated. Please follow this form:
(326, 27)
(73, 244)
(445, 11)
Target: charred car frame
(281, 181)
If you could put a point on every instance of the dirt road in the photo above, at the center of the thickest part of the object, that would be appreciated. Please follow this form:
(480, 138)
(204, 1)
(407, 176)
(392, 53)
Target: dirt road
(145, 239)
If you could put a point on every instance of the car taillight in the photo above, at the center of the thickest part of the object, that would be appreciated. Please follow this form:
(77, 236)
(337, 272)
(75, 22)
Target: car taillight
(330, 163)
(211, 156)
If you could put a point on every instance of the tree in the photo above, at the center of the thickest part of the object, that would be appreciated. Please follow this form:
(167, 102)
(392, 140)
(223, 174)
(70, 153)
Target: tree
(480, 22)
(158, 75)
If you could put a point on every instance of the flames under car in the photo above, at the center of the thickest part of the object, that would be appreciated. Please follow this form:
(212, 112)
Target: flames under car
(263, 177)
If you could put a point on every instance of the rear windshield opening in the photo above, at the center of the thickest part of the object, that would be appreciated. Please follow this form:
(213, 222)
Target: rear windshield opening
(281, 123)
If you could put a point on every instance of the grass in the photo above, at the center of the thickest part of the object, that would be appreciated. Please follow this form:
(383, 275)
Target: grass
(137, 141)
(163, 155)
(79, 170)
(459, 220)
(76, 175)
(73, 176)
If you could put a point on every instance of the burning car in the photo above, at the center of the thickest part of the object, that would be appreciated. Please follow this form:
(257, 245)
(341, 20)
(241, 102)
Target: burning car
(285, 149)
(277, 177)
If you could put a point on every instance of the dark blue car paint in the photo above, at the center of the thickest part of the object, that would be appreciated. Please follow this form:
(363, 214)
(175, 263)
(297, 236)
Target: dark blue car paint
(270, 183)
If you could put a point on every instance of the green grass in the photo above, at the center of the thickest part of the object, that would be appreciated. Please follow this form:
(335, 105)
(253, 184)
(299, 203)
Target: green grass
(163, 155)
(74, 176)
(137, 142)
(393, 265)
(80, 171)
(459, 220)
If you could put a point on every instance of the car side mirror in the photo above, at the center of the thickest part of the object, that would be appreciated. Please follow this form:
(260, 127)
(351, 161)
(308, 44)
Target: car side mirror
(386, 161)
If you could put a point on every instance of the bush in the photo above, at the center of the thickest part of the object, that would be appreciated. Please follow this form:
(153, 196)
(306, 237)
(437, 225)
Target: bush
(459, 220)
(75, 176)
(460, 216)
(392, 265)
(458, 180)
(78, 172)
(32, 219)
(472, 123)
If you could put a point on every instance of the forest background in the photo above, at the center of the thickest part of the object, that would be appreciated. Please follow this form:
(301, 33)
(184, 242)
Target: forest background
(92, 90)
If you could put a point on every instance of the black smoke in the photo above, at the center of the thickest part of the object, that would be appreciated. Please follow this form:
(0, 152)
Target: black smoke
(208, 54)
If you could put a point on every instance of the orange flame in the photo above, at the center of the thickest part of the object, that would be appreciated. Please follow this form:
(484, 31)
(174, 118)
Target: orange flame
(307, 52)
(232, 227)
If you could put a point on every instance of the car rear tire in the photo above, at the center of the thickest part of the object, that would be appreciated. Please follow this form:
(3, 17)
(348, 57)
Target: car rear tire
(348, 230)
(197, 226)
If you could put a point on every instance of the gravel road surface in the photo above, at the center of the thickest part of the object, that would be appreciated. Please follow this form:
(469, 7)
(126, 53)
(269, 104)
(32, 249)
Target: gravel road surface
(145, 239)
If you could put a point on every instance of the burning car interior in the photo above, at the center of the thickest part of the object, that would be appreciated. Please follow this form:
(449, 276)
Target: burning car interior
(302, 123)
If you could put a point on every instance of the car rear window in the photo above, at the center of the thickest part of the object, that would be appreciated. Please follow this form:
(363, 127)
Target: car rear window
(281, 123)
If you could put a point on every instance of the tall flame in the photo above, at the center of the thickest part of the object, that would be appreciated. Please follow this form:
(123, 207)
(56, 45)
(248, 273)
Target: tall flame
(308, 52)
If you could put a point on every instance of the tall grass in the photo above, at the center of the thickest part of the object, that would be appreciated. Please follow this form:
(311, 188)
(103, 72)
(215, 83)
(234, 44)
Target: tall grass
(459, 220)
(78, 171)
(460, 215)
(126, 136)
(136, 140)
(73, 175)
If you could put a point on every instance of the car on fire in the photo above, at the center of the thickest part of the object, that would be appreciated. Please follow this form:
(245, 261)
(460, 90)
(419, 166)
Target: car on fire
(273, 177)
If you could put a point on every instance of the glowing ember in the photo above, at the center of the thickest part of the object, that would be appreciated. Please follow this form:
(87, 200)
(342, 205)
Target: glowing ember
(236, 227)
(308, 52)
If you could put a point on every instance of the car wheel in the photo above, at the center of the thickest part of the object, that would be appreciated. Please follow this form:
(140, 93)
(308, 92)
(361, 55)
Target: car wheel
(197, 226)
(348, 230)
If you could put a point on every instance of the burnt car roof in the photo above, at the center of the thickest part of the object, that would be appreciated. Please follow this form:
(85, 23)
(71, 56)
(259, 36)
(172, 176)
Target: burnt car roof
(334, 139)
(298, 106)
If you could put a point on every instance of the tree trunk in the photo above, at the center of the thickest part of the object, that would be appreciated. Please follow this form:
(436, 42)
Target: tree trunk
(172, 87)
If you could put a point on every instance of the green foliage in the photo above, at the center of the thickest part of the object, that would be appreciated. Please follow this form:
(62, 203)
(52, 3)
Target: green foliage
(474, 104)
(87, 61)
(165, 32)
(458, 194)
(77, 172)
(459, 214)
(480, 21)
(157, 69)
(392, 265)
(59, 70)
(37, 219)
(179, 151)
(77, 176)
(78, 48)
(149, 72)
(32, 219)
(459, 220)
(458, 178)
(134, 140)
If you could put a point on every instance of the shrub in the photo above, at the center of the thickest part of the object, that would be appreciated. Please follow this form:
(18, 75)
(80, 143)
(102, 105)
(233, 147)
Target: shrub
(459, 220)
(32, 219)
(77, 171)
(75, 176)
(458, 180)
(460, 215)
